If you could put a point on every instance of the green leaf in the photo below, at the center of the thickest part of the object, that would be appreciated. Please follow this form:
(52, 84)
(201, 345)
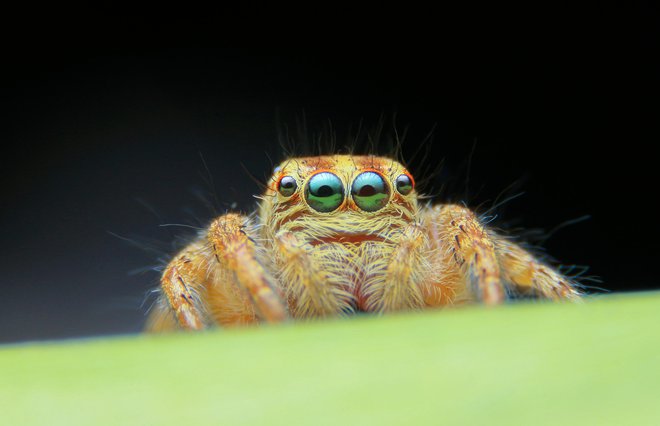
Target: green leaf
(536, 363)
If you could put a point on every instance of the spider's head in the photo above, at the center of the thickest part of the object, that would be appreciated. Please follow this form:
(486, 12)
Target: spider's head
(341, 198)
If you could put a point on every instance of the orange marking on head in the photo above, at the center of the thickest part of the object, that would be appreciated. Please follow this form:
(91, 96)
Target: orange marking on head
(347, 239)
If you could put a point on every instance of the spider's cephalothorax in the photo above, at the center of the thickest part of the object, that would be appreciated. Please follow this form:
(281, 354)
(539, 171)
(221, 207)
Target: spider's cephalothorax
(340, 234)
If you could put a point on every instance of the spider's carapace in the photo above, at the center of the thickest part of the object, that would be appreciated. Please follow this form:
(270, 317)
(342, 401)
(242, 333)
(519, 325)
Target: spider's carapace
(340, 234)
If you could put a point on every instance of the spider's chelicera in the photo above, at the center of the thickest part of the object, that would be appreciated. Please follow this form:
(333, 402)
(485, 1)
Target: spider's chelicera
(340, 234)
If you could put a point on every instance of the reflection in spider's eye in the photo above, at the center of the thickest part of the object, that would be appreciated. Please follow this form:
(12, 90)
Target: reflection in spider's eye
(404, 184)
(324, 192)
(370, 191)
(287, 186)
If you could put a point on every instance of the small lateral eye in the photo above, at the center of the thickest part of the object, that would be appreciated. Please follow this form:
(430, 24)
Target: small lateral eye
(370, 192)
(324, 192)
(287, 186)
(404, 184)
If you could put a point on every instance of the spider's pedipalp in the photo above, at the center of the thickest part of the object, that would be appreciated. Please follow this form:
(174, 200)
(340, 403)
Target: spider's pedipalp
(311, 283)
(407, 276)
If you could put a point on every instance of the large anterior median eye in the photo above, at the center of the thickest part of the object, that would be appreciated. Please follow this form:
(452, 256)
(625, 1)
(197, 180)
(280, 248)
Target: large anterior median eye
(370, 191)
(324, 192)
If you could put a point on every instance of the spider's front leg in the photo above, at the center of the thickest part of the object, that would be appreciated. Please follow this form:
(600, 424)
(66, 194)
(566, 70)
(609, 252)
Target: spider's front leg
(489, 264)
(464, 243)
(236, 252)
(219, 279)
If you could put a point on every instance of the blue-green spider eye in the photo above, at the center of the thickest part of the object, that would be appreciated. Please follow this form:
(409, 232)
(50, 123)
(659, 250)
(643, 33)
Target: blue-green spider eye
(370, 191)
(324, 192)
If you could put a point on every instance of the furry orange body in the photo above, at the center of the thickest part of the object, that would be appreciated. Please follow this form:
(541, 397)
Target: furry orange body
(338, 234)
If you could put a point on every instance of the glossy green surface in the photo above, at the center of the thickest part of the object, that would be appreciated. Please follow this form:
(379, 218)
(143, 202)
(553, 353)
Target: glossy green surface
(541, 364)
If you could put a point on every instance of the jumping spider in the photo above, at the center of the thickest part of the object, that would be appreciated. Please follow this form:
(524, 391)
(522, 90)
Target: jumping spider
(339, 234)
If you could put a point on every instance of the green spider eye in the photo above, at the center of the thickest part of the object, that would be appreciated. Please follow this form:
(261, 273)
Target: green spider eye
(404, 184)
(324, 192)
(287, 186)
(370, 191)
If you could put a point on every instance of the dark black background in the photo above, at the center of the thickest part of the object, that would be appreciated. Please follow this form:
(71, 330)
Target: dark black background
(567, 106)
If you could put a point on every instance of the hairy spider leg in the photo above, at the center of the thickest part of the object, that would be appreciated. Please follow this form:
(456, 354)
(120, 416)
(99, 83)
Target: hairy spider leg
(218, 276)
(457, 231)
